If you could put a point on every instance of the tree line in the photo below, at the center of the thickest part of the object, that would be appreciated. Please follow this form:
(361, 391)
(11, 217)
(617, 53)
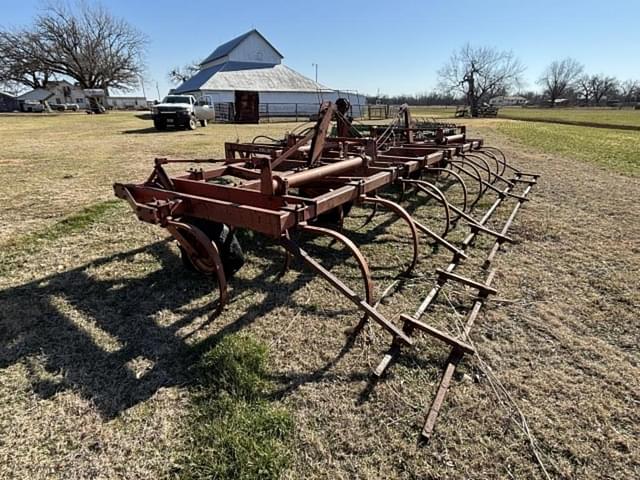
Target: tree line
(85, 43)
(97, 50)
(474, 75)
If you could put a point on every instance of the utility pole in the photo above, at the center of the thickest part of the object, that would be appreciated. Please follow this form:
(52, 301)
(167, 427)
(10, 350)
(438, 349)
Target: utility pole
(315, 65)
(158, 90)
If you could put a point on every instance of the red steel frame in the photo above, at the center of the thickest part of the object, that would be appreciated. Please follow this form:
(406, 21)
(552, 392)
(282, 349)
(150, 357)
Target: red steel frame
(286, 186)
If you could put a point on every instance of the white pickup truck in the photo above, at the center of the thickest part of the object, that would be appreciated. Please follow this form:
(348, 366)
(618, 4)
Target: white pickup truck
(181, 111)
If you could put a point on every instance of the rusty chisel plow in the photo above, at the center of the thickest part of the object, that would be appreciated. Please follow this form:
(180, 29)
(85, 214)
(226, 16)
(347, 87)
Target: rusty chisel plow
(308, 182)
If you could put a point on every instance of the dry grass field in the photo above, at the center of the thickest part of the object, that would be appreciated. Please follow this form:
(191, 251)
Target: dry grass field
(110, 367)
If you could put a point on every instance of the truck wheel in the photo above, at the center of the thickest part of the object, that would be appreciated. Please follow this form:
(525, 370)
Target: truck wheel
(159, 125)
(203, 123)
(191, 123)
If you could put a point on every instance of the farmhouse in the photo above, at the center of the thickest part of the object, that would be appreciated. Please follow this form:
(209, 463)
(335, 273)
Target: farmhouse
(59, 92)
(246, 77)
(507, 101)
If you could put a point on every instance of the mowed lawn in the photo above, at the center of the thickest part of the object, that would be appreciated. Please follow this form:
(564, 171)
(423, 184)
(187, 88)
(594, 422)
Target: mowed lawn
(601, 116)
(609, 147)
(110, 366)
(53, 165)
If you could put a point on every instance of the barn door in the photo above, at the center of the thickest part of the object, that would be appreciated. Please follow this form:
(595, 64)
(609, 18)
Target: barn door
(247, 107)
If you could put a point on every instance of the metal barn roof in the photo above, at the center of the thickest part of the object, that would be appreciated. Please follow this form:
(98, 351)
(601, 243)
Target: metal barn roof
(226, 48)
(250, 76)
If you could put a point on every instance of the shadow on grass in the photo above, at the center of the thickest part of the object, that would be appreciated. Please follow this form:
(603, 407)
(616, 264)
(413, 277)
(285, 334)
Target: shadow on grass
(126, 312)
(56, 318)
(149, 130)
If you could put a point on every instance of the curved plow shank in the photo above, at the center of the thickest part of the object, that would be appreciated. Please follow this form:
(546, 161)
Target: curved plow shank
(355, 252)
(370, 311)
(479, 163)
(461, 166)
(493, 157)
(203, 253)
(496, 176)
(498, 153)
(434, 192)
(458, 178)
(369, 217)
(403, 214)
(287, 259)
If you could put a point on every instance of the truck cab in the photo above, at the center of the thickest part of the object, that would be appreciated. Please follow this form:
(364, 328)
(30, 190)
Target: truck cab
(183, 111)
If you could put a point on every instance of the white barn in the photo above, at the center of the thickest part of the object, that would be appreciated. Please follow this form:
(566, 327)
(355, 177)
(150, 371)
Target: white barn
(247, 77)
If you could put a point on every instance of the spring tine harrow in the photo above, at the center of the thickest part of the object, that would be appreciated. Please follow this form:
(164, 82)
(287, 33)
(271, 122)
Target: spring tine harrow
(308, 182)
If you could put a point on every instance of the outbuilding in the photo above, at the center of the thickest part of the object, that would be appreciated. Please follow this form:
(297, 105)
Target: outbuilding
(508, 101)
(244, 80)
(8, 102)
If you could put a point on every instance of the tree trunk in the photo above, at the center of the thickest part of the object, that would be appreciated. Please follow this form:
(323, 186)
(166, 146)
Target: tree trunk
(472, 99)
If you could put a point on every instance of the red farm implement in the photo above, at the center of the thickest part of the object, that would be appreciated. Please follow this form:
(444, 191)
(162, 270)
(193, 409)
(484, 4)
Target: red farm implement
(309, 181)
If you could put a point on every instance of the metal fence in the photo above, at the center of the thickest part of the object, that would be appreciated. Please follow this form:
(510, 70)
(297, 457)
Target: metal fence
(296, 112)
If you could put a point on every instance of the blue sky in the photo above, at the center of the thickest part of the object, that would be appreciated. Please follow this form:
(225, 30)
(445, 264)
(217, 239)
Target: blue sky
(394, 46)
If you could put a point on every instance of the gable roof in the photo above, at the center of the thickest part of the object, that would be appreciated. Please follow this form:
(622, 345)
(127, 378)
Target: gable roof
(252, 77)
(227, 48)
(37, 95)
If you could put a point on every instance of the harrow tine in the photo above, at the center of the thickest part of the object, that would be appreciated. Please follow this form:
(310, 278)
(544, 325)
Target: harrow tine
(495, 176)
(394, 350)
(437, 194)
(404, 215)
(357, 254)
(458, 178)
(452, 362)
(499, 240)
(398, 335)
(475, 175)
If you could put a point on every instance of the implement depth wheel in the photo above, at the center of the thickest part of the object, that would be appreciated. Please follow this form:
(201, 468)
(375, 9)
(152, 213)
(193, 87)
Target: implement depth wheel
(228, 245)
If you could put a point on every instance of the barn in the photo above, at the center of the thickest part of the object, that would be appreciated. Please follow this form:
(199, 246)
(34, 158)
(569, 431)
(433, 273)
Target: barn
(245, 80)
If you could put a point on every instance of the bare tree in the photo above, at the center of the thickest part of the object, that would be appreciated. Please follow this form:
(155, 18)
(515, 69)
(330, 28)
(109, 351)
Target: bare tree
(584, 88)
(629, 90)
(602, 86)
(479, 73)
(177, 75)
(90, 45)
(21, 60)
(559, 77)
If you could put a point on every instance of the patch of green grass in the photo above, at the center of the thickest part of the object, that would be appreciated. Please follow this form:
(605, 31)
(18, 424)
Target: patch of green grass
(71, 224)
(233, 431)
(78, 221)
(614, 149)
(433, 111)
(602, 116)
